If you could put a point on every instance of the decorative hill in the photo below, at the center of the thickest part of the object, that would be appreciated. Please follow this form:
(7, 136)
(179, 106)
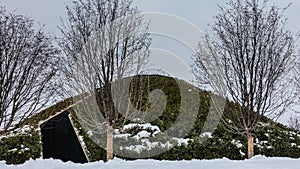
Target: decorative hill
(272, 139)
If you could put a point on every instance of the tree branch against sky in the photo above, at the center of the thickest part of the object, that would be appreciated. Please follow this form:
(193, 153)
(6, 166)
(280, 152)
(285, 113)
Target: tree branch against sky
(104, 41)
(28, 66)
(256, 56)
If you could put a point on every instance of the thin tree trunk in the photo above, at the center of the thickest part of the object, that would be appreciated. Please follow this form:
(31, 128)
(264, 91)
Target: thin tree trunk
(109, 143)
(250, 147)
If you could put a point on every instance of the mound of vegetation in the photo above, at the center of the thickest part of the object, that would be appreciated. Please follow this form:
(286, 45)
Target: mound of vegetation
(272, 139)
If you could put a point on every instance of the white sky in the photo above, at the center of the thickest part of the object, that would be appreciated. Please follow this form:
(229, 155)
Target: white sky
(198, 12)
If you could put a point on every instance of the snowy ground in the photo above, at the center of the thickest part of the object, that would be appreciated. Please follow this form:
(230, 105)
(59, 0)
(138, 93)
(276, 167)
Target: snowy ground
(257, 162)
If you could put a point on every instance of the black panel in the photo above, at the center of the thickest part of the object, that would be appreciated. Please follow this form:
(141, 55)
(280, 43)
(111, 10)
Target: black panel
(59, 140)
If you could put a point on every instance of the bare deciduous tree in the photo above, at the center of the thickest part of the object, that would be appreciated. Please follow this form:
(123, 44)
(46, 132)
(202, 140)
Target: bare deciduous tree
(104, 41)
(27, 68)
(250, 59)
(294, 122)
(297, 77)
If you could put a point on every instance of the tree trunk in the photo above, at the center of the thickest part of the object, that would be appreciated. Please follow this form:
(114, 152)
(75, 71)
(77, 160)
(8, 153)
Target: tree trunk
(250, 147)
(109, 143)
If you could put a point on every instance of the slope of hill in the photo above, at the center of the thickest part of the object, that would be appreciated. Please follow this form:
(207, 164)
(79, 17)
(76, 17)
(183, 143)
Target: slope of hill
(272, 139)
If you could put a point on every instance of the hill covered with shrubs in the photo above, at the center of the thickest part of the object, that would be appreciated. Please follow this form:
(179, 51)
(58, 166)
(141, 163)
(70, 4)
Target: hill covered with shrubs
(272, 139)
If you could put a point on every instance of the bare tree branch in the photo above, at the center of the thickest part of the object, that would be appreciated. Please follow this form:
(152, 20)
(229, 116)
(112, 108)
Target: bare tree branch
(28, 65)
(252, 57)
(104, 41)
(294, 123)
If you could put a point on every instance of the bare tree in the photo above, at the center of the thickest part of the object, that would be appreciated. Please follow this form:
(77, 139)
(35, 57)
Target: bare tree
(297, 76)
(27, 68)
(104, 41)
(250, 60)
(294, 122)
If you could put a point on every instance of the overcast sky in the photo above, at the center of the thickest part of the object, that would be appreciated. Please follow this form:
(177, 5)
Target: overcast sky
(197, 12)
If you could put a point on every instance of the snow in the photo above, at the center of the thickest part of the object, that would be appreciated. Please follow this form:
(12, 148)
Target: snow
(146, 145)
(122, 136)
(89, 133)
(237, 143)
(182, 141)
(145, 137)
(142, 126)
(206, 134)
(20, 131)
(242, 153)
(20, 151)
(136, 148)
(13, 150)
(142, 134)
(146, 131)
(257, 162)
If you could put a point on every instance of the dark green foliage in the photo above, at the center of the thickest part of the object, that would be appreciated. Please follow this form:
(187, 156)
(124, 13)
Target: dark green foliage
(171, 90)
(218, 146)
(20, 148)
(273, 139)
(45, 114)
(277, 142)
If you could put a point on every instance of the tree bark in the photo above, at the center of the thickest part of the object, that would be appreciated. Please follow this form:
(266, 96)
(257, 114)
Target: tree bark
(109, 143)
(248, 59)
(250, 147)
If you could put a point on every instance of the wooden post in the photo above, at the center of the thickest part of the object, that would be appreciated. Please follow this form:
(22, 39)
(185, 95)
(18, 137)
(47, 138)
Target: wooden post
(250, 147)
(109, 143)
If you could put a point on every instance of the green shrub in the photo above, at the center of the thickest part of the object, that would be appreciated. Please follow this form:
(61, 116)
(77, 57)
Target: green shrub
(19, 148)
(270, 140)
